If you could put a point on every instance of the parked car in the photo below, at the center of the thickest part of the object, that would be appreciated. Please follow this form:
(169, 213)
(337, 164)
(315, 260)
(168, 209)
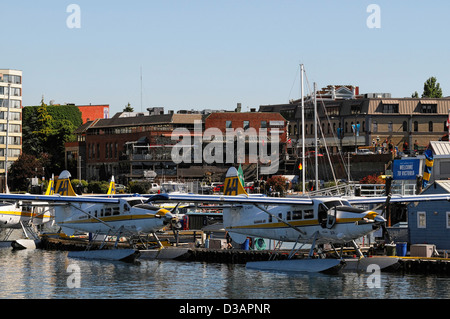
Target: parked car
(120, 187)
(218, 188)
(154, 188)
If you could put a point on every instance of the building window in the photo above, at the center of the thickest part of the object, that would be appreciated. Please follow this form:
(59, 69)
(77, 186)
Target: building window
(263, 124)
(375, 127)
(430, 126)
(416, 126)
(390, 108)
(448, 219)
(246, 125)
(429, 108)
(390, 126)
(228, 124)
(405, 126)
(421, 220)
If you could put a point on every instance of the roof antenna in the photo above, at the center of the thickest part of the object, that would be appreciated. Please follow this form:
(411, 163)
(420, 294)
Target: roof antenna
(141, 88)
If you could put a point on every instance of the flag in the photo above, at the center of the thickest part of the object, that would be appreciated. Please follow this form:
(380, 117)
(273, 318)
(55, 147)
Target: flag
(429, 160)
(241, 175)
(448, 126)
(355, 128)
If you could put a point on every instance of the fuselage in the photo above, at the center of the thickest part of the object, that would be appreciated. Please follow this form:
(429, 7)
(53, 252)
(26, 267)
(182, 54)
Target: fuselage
(129, 214)
(11, 215)
(333, 219)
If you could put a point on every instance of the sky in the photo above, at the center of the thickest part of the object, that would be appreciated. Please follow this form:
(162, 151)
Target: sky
(213, 54)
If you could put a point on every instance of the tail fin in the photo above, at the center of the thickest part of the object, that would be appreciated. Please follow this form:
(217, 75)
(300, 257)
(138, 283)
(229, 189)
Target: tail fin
(51, 187)
(233, 185)
(63, 185)
(112, 187)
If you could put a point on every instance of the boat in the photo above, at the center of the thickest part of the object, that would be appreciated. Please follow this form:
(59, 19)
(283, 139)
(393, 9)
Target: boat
(172, 187)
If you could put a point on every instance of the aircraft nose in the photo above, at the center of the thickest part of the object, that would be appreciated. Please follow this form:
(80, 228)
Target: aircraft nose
(165, 214)
(379, 220)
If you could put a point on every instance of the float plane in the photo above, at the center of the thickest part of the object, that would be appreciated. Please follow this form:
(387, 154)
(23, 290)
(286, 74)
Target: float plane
(100, 215)
(302, 220)
(25, 216)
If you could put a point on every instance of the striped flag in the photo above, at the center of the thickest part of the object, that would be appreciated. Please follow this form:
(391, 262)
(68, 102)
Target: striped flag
(448, 126)
(429, 161)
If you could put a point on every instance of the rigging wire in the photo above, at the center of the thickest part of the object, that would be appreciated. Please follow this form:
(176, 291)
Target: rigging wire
(322, 134)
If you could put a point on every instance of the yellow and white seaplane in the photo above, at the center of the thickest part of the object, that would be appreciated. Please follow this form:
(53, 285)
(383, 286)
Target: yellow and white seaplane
(100, 215)
(25, 216)
(302, 220)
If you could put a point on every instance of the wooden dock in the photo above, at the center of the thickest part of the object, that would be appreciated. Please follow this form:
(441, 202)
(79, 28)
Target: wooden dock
(424, 265)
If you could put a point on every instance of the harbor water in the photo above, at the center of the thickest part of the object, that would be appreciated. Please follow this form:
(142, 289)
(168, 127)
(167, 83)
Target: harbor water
(41, 274)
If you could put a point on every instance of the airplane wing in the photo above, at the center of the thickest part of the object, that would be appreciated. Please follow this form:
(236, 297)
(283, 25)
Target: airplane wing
(399, 199)
(58, 198)
(229, 199)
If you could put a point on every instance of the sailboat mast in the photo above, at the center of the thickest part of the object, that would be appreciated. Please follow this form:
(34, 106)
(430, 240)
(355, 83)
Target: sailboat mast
(303, 129)
(315, 137)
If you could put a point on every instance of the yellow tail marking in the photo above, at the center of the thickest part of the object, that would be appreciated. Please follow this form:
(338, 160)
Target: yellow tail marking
(112, 187)
(233, 186)
(50, 188)
(64, 188)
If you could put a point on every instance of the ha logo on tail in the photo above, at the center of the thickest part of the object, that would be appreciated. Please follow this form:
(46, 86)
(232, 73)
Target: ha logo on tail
(233, 185)
(64, 186)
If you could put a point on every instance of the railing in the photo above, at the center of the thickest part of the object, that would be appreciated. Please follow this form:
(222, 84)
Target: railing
(365, 190)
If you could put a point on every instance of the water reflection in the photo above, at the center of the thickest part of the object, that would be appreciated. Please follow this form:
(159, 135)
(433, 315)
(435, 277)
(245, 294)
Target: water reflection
(43, 274)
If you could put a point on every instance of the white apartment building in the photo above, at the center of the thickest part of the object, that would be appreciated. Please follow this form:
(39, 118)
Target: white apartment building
(10, 130)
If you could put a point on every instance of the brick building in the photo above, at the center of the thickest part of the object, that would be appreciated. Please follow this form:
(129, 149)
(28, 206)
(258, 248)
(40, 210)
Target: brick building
(129, 145)
(258, 137)
(377, 116)
(93, 112)
(132, 145)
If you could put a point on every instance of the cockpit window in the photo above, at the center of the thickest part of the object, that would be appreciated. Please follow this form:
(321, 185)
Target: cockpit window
(135, 202)
(148, 207)
(335, 203)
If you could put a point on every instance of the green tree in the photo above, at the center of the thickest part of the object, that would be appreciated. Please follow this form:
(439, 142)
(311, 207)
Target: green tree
(46, 129)
(128, 108)
(22, 170)
(415, 95)
(431, 88)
